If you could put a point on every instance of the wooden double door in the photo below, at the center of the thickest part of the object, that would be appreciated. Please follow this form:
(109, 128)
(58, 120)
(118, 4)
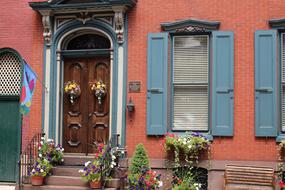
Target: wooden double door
(86, 121)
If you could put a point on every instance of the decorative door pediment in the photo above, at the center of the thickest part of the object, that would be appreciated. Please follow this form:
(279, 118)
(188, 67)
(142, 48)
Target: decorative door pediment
(59, 12)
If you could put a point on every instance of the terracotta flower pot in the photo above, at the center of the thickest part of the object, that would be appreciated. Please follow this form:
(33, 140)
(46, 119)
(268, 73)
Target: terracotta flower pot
(95, 184)
(37, 180)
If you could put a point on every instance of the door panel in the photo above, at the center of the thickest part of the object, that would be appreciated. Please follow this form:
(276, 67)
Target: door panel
(75, 128)
(9, 132)
(85, 121)
(99, 113)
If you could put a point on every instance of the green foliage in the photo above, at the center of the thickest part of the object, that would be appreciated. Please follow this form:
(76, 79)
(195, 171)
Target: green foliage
(185, 185)
(139, 160)
(186, 150)
(91, 171)
(41, 167)
(147, 179)
(48, 150)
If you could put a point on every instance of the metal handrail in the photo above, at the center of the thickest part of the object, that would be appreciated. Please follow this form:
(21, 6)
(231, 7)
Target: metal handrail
(27, 159)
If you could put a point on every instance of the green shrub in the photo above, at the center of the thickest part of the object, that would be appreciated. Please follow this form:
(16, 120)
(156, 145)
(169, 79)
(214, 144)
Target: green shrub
(139, 160)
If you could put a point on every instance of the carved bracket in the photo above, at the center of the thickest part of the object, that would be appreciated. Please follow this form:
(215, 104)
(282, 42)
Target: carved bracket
(47, 29)
(119, 26)
(84, 17)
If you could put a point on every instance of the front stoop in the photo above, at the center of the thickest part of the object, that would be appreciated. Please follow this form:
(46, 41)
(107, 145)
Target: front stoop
(56, 187)
(67, 176)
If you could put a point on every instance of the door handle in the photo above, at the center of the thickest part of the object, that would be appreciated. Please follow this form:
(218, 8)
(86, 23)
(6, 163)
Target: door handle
(155, 90)
(264, 90)
(224, 90)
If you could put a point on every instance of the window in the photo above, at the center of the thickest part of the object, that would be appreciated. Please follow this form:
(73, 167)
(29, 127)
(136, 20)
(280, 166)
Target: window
(190, 82)
(189, 87)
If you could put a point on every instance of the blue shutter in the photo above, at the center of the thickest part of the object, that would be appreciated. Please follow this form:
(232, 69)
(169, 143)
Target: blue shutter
(157, 83)
(265, 84)
(222, 110)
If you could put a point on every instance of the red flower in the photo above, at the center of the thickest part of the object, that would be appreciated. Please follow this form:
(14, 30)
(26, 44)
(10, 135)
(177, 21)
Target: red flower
(281, 184)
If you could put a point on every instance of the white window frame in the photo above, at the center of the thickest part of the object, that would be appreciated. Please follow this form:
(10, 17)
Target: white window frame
(198, 85)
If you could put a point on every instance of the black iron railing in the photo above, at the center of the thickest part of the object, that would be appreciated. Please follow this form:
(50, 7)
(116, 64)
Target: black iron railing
(27, 159)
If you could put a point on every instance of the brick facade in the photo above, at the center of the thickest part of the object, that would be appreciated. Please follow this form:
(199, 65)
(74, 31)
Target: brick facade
(244, 18)
(21, 29)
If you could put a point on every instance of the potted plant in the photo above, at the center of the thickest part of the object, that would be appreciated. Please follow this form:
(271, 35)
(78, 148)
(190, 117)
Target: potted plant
(53, 153)
(186, 150)
(141, 176)
(91, 173)
(39, 170)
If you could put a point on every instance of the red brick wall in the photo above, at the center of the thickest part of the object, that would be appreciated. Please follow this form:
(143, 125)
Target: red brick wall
(21, 29)
(244, 18)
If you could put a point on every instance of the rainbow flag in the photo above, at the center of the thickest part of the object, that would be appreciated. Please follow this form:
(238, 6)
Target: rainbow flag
(28, 87)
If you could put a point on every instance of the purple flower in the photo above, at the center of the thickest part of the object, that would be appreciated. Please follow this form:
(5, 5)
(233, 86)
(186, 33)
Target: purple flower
(196, 134)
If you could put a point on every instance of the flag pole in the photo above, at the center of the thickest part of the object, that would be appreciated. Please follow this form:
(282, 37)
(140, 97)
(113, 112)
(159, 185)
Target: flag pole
(42, 83)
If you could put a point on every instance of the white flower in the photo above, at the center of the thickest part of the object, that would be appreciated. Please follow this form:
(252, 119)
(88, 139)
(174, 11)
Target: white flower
(87, 163)
(112, 166)
(184, 142)
(113, 163)
(42, 138)
(190, 146)
(113, 157)
(122, 152)
(40, 155)
(197, 185)
(33, 170)
(160, 183)
(80, 171)
(40, 148)
(41, 142)
(62, 160)
(62, 149)
(42, 170)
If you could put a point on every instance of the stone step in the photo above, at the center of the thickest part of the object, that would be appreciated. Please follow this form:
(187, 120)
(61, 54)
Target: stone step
(66, 171)
(65, 181)
(113, 183)
(76, 181)
(56, 187)
(76, 159)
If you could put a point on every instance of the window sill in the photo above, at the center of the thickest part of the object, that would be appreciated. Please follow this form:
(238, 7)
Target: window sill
(280, 137)
(208, 136)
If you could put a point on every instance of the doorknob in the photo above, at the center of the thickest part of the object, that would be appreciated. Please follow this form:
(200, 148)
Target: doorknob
(264, 90)
(155, 90)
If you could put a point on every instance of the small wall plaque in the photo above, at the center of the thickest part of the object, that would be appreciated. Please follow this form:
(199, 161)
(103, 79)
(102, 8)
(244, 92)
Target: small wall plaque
(134, 86)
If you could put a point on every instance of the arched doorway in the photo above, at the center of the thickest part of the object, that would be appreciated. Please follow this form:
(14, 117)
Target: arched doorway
(10, 124)
(86, 116)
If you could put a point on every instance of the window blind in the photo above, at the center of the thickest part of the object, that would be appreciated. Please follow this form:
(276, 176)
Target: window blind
(190, 83)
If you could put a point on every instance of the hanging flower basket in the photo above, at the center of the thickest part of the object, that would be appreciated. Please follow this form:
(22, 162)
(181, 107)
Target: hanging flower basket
(72, 89)
(99, 89)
